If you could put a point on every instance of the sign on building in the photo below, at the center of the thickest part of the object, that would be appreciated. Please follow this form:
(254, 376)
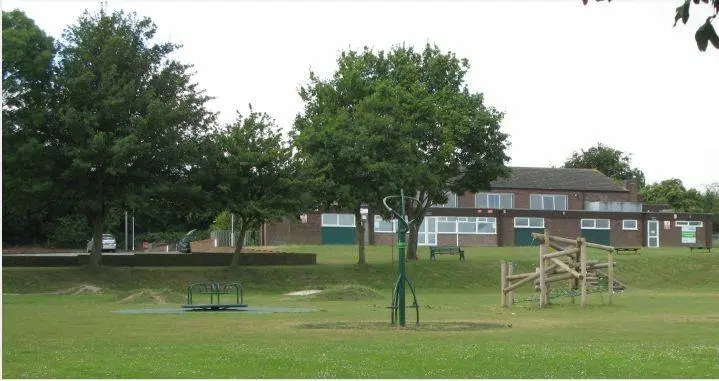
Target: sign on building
(667, 225)
(689, 234)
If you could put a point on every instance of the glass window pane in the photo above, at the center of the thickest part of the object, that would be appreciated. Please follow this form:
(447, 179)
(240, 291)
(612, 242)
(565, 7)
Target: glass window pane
(493, 201)
(602, 224)
(429, 221)
(507, 201)
(467, 227)
(548, 203)
(421, 238)
(480, 200)
(536, 222)
(587, 224)
(696, 223)
(431, 239)
(329, 219)
(629, 224)
(486, 227)
(535, 201)
(560, 202)
(447, 227)
(521, 222)
(346, 220)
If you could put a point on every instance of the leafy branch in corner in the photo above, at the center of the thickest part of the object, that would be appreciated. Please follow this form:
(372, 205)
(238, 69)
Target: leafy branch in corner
(706, 32)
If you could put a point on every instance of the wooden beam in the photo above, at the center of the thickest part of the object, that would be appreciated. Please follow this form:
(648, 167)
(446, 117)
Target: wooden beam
(543, 271)
(566, 268)
(583, 266)
(510, 271)
(561, 253)
(610, 280)
(556, 247)
(511, 287)
(519, 276)
(563, 240)
(601, 247)
(503, 283)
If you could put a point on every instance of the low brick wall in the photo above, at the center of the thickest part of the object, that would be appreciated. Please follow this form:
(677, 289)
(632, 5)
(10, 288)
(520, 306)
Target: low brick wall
(162, 260)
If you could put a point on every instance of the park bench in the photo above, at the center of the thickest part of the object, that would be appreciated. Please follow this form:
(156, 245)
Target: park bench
(691, 248)
(634, 249)
(451, 250)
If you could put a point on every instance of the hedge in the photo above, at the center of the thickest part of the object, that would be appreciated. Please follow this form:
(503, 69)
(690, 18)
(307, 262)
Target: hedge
(161, 260)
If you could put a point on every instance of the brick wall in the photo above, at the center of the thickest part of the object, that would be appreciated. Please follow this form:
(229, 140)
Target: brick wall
(626, 238)
(291, 231)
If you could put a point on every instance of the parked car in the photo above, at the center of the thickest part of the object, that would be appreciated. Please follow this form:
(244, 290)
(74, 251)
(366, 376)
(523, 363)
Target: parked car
(108, 243)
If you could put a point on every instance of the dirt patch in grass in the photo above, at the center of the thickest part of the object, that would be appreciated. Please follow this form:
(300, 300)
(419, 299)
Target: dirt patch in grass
(347, 292)
(428, 326)
(83, 289)
(149, 296)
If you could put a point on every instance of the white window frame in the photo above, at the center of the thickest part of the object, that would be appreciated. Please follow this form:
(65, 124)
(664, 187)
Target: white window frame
(475, 220)
(594, 225)
(624, 225)
(337, 219)
(697, 224)
(378, 219)
(529, 223)
(450, 197)
(486, 198)
(554, 201)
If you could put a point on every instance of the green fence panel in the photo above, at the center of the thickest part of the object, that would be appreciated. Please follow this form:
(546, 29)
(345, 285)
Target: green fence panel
(596, 236)
(523, 236)
(338, 235)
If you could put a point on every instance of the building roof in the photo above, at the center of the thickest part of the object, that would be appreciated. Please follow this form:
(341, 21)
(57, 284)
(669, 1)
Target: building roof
(558, 179)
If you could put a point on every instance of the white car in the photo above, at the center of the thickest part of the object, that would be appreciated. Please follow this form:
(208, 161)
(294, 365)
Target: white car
(108, 243)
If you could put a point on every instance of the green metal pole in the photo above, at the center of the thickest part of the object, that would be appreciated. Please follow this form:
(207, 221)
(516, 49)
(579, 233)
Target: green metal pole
(402, 272)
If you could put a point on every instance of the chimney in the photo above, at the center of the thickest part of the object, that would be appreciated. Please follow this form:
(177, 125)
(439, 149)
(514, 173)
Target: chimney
(631, 185)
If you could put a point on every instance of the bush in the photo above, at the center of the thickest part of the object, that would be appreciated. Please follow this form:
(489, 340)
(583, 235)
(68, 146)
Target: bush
(70, 232)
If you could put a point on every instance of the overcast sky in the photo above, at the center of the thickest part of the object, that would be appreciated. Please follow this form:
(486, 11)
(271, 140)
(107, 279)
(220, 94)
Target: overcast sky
(567, 76)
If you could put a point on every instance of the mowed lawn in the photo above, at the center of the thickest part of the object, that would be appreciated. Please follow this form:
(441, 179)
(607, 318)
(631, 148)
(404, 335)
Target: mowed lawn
(666, 324)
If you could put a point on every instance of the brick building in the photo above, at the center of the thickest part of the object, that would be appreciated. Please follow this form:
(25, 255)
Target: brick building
(567, 202)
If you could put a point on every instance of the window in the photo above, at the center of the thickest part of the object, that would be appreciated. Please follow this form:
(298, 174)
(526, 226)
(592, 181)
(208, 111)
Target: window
(446, 224)
(384, 226)
(529, 222)
(452, 201)
(629, 224)
(494, 200)
(338, 220)
(599, 223)
(698, 224)
(467, 225)
(548, 201)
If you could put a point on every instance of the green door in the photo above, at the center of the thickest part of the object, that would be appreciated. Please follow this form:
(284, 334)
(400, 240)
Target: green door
(334, 235)
(600, 236)
(523, 236)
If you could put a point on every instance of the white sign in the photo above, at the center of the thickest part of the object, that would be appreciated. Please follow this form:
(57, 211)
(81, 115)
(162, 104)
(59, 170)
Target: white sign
(689, 234)
(667, 225)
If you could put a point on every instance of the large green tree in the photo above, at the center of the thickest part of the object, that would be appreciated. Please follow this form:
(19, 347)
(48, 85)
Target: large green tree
(253, 173)
(706, 33)
(28, 105)
(610, 161)
(400, 119)
(129, 116)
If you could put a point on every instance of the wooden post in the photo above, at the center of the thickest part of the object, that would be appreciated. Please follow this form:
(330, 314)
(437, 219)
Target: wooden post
(503, 283)
(583, 267)
(510, 271)
(542, 273)
(610, 281)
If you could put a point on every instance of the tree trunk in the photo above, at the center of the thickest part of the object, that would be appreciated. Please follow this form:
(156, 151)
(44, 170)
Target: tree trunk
(412, 242)
(360, 237)
(235, 263)
(96, 254)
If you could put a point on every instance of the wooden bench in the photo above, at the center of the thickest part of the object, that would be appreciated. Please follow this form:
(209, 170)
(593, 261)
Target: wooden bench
(451, 250)
(634, 249)
(691, 248)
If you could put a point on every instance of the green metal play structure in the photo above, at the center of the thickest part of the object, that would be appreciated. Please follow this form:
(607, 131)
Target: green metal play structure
(215, 290)
(399, 307)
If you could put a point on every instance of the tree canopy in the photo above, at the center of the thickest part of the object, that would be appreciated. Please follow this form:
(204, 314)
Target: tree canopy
(610, 161)
(399, 119)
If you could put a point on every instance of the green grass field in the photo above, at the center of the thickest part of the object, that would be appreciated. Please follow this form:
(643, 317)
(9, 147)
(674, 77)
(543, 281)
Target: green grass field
(666, 324)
